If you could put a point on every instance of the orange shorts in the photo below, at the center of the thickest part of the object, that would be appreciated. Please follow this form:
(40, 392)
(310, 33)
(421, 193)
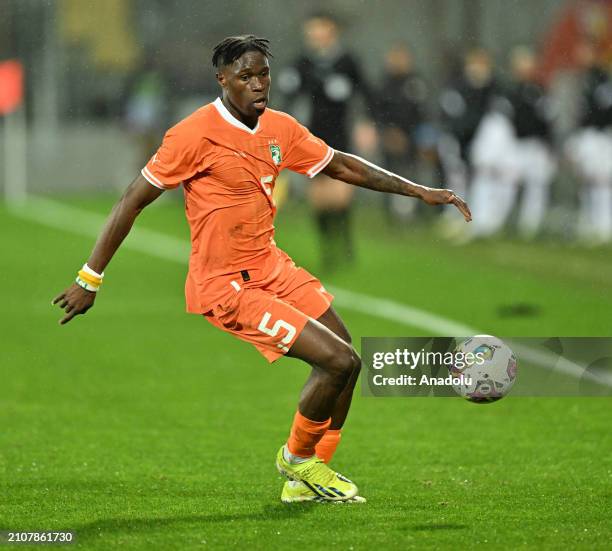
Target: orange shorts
(270, 314)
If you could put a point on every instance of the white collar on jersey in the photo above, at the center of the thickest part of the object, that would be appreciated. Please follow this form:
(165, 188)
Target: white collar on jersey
(224, 112)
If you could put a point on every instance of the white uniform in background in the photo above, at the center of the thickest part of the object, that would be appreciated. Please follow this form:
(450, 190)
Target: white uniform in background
(590, 150)
(493, 156)
(536, 167)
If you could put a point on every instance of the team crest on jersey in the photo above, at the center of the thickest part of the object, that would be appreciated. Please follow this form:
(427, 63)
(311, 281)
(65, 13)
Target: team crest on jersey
(276, 154)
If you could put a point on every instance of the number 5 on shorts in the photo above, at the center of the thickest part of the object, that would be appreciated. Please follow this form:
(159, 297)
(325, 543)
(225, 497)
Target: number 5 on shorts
(273, 331)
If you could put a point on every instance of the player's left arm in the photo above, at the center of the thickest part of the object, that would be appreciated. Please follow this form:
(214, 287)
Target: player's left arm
(359, 172)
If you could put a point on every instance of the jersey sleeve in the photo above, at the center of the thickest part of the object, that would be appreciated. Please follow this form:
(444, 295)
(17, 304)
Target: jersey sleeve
(306, 153)
(178, 158)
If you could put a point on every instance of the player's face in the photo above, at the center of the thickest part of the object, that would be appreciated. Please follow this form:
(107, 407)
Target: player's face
(246, 84)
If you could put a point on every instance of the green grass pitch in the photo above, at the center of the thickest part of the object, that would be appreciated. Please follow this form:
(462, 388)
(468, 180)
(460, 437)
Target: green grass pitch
(143, 427)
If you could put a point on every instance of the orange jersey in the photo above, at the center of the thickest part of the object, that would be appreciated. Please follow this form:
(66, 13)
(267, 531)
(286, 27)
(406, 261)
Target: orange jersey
(228, 172)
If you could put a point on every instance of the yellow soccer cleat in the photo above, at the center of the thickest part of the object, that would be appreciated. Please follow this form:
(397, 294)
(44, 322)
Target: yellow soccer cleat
(318, 477)
(297, 492)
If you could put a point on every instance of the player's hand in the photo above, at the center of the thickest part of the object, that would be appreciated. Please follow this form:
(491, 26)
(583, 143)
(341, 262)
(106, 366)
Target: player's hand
(74, 301)
(447, 197)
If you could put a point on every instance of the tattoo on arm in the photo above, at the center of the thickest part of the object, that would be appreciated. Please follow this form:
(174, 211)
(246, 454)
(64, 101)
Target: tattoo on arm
(359, 172)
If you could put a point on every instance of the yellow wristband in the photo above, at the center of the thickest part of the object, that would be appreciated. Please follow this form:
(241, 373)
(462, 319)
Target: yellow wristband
(91, 272)
(92, 280)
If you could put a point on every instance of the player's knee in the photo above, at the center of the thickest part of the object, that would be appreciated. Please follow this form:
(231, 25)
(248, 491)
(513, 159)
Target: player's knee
(343, 362)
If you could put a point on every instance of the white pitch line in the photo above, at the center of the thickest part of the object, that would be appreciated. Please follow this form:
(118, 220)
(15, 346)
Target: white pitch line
(408, 315)
(67, 218)
(83, 222)
(394, 311)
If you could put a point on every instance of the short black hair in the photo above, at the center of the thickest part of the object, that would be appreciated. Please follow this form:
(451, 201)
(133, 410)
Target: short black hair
(232, 47)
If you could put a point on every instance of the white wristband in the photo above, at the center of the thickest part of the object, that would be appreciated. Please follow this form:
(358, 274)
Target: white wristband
(87, 286)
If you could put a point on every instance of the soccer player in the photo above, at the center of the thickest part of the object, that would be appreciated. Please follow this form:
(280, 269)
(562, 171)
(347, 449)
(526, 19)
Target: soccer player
(401, 117)
(532, 118)
(328, 77)
(227, 156)
(589, 148)
(464, 102)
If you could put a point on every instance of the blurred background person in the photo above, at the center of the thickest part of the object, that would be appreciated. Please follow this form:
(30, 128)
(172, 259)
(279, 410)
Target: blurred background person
(401, 110)
(532, 117)
(590, 147)
(477, 136)
(329, 77)
(463, 102)
(146, 109)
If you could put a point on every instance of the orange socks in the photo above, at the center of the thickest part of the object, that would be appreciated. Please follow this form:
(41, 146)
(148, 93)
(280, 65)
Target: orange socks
(326, 447)
(305, 435)
(308, 438)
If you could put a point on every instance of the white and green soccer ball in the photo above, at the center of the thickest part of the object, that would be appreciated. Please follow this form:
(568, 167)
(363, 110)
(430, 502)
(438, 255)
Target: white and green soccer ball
(484, 369)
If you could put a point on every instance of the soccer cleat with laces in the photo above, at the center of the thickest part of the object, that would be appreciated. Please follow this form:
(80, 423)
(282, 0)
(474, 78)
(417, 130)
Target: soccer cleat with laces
(298, 492)
(318, 477)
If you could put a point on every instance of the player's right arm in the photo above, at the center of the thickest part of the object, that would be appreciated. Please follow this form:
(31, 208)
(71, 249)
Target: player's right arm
(140, 193)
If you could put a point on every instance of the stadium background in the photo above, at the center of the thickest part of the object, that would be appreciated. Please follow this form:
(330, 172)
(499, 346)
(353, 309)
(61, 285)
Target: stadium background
(79, 60)
(141, 426)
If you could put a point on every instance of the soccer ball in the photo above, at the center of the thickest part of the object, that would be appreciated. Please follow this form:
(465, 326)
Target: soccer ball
(483, 369)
